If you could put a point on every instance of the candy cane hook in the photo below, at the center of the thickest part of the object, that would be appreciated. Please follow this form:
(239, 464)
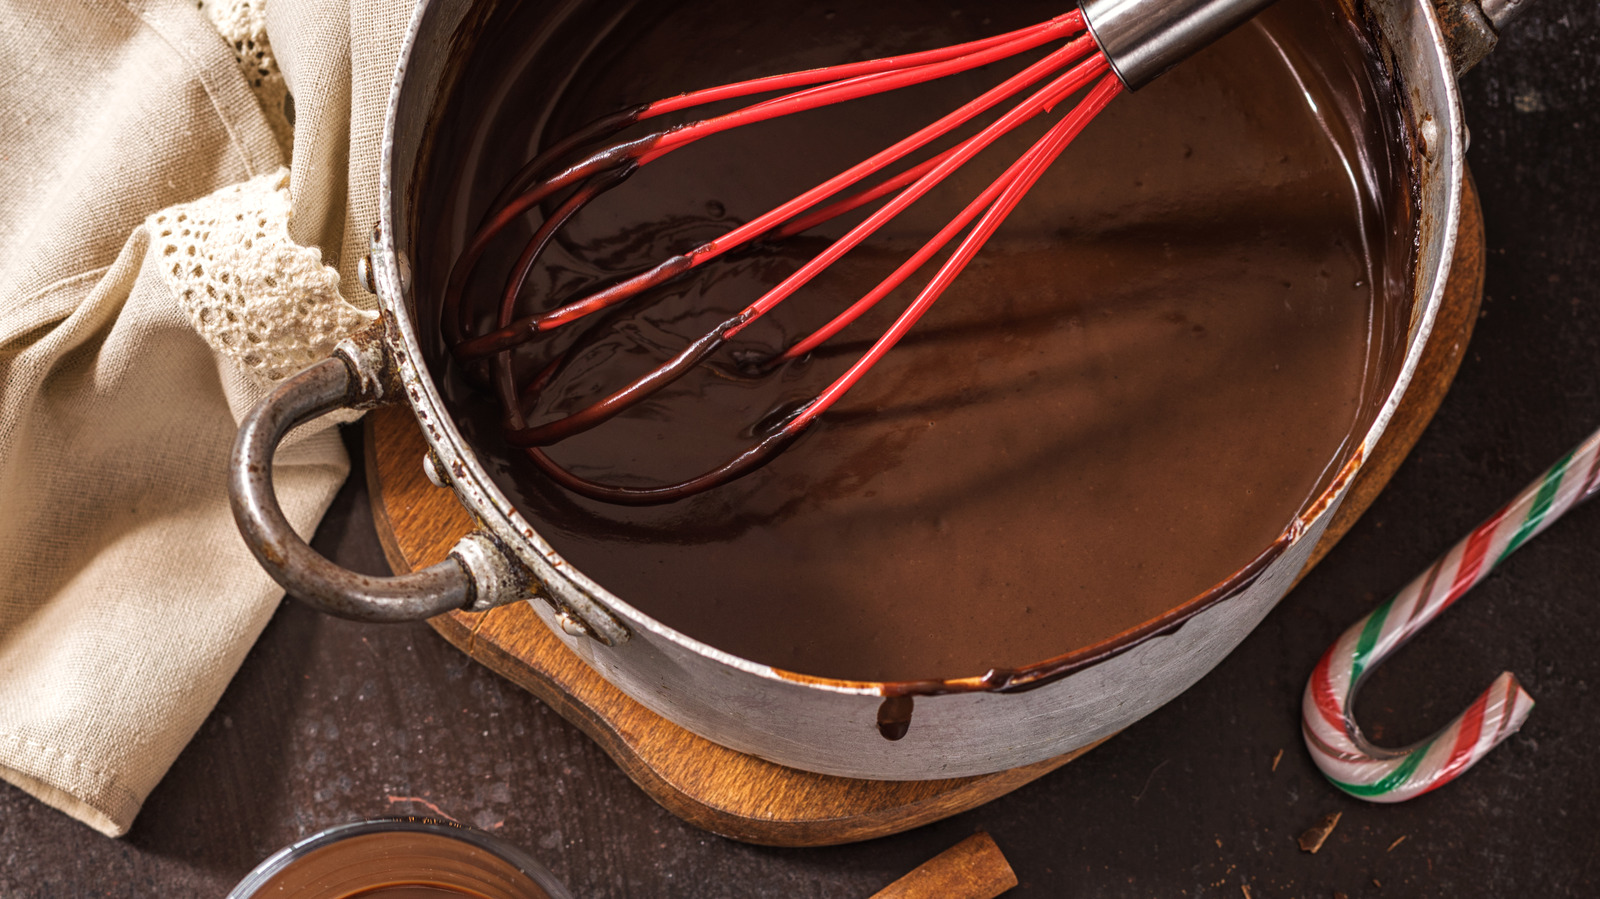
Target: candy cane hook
(1337, 745)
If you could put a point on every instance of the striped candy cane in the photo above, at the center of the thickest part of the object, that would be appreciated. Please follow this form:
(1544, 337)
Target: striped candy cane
(1395, 775)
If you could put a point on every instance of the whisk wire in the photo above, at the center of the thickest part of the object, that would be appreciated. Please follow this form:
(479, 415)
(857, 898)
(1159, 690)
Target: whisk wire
(1017, 180)
(1036, 35)
(963, 153)
(576, 171)
(928, 250)
(1018, 41)
(1000, 198)
(841, 91)
(509, 333)
(659, 377)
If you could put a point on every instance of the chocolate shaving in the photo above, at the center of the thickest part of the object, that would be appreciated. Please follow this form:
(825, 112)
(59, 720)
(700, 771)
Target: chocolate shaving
(1312, 840)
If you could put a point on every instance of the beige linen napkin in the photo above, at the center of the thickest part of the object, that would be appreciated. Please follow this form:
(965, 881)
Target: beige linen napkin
(139, 320)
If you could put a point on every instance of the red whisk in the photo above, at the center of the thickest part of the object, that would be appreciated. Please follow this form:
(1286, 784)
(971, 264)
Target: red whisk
(1132, 42)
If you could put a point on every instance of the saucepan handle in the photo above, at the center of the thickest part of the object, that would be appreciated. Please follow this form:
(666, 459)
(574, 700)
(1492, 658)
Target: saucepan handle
(478, 574)
(1472, 27)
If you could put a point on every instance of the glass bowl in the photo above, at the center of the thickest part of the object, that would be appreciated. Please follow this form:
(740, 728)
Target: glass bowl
(400, 858)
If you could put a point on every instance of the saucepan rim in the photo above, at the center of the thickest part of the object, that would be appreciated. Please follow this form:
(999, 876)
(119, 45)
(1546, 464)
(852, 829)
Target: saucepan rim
(483, 497)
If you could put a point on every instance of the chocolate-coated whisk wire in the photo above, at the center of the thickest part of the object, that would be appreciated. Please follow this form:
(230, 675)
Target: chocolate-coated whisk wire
(583, 167)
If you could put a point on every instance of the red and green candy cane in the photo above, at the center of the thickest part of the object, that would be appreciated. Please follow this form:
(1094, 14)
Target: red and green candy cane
(1337, 745)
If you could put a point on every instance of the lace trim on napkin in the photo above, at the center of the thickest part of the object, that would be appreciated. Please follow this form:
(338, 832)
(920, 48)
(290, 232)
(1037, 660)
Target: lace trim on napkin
(243, 24)
(255, 296)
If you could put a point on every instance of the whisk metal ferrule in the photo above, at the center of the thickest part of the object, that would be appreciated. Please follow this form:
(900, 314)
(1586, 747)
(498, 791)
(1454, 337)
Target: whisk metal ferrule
(1145, 38)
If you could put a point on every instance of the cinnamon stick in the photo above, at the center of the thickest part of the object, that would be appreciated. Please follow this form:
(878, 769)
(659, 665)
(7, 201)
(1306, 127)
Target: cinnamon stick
(971, 869)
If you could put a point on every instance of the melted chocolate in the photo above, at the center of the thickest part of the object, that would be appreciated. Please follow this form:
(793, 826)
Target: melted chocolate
(1154, 365)
(894, 716)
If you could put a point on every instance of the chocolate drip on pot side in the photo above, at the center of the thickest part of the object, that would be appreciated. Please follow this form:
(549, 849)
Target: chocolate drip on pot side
(1127, 396)
(894, 716)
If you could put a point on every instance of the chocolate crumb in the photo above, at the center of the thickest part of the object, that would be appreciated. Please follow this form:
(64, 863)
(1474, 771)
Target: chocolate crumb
(1312, 840)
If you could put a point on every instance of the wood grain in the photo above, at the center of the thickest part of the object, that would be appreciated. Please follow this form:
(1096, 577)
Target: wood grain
(746, 798)
(974, 868)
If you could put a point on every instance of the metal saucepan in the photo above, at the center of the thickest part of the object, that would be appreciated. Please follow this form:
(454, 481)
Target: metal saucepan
(962, 726)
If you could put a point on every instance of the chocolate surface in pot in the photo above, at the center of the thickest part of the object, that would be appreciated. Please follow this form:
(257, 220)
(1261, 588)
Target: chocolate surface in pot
(1128, 395)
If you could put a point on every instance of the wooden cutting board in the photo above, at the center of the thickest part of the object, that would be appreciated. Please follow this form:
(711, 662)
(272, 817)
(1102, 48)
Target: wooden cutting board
(740, 796)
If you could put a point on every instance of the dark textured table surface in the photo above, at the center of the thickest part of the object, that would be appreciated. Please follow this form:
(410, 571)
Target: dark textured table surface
(329, 721)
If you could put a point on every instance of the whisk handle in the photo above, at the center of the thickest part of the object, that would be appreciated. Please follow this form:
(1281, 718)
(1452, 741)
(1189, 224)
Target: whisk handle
(1145, 38)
